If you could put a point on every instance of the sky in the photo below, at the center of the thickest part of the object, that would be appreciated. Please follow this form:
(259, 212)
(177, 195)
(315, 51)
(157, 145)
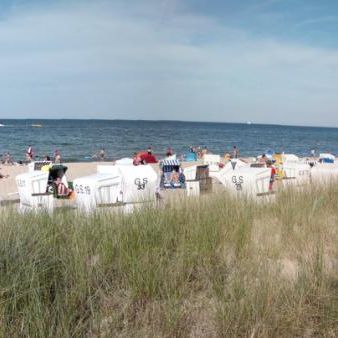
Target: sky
(264, 61)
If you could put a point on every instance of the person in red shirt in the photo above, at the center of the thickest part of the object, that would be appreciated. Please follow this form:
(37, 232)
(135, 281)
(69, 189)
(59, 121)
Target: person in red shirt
(273, 173)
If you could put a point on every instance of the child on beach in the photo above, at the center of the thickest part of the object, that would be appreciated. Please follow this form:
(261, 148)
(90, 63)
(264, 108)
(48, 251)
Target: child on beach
(30, 154)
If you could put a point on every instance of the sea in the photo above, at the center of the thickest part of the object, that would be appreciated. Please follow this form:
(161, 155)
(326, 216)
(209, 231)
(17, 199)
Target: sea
(80, 140)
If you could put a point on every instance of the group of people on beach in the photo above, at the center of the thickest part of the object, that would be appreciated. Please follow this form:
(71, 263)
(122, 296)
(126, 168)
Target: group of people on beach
(7, 158)
(197, 151)
(30, 156)
(100, 155)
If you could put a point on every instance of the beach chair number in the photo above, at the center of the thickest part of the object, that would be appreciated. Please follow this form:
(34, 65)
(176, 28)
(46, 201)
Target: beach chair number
(303, 172)
(82, 189)
(141, 184)
(238, 182)
(21, 183)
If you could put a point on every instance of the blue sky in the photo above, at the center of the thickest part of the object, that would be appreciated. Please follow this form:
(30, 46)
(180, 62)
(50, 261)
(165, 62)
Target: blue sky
(265, 61)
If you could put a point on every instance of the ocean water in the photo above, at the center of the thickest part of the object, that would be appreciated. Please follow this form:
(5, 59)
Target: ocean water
(78, 140)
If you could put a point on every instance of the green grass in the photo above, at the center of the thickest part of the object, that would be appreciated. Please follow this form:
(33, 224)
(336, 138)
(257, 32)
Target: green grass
(213, 267)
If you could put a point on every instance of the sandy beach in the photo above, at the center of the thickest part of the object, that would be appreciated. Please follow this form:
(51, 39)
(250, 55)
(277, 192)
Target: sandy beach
(8, 188)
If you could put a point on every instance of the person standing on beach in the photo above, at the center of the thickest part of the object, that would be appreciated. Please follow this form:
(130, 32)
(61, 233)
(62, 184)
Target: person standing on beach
(30, 153)
(170, 152)
(57, 157)
(235, 152)
(273, 173)
(205, 151)
(102, 154)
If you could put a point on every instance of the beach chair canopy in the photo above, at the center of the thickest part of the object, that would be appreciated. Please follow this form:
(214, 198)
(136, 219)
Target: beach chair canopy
(37, 165)
(57, 171)
(234, 164)
(327, 158)
(290, 158)
(171, 157)
(125, 161)
(170, 163)
(213, 161)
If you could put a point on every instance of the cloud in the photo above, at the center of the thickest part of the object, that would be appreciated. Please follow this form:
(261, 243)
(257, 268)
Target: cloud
(318, 20)
(113, 61)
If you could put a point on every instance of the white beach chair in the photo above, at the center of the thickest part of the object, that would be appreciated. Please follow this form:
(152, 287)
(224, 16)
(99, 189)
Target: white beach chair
(246, 180)
(32, 188)
(212, 161)
(117, 185)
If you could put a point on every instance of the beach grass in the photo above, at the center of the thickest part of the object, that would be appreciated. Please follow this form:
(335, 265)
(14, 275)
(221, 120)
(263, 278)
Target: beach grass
(210, 267)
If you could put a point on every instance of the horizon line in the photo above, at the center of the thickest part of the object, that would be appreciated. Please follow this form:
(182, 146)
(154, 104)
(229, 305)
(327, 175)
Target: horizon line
(248, 123)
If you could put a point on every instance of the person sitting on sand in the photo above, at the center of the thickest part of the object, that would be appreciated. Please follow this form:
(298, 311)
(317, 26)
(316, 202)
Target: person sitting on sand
(3, 176)
(175, 178)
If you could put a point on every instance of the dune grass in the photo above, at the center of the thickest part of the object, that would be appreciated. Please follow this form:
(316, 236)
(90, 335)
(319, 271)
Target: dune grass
(213, 267)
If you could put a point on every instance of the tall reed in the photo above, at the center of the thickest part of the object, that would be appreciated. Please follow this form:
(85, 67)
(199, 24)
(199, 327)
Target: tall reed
(213, 267)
